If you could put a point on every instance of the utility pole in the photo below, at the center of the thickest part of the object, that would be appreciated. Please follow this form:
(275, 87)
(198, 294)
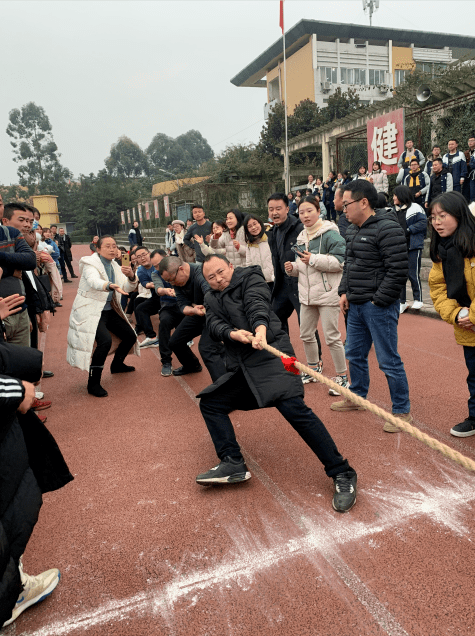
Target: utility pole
(371, 6)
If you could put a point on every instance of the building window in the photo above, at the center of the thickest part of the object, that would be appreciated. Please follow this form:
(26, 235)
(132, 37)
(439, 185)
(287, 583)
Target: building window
(376, 77)
(399, 77)
(360, 76)
(353, 75)
(425, 67)
(329, 74)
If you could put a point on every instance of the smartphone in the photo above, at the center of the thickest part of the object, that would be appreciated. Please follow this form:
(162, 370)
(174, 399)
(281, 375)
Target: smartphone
(298, 249)
(125, 260)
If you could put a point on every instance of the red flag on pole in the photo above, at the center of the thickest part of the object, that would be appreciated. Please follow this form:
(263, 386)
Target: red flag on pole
(281, 20)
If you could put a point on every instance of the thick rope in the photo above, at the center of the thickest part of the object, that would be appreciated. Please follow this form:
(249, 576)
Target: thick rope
(452, 454)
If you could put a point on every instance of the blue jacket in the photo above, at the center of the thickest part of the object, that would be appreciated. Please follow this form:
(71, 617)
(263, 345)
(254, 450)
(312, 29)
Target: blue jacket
(446, 184)
(55, 254)
(415, 221)
(459, 167)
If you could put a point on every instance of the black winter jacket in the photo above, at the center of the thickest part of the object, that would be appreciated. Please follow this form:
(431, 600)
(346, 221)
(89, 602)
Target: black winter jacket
(194, 290)
(291, 228)
(376, 263)
(245, 304)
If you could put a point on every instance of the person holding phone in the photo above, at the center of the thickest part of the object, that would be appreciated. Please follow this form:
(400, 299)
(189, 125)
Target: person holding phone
(97, 313)
(452, 282)
(319, 256)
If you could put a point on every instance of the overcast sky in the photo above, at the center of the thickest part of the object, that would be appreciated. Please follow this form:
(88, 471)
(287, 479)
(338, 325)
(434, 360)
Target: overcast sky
(105, 69)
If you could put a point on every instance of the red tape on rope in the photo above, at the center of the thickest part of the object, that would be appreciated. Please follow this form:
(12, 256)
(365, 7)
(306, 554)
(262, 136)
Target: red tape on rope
(289, 365)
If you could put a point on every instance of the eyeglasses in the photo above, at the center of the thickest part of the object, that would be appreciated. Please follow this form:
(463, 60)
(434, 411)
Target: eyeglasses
(439, 217)
(346, 204)
(172, 280)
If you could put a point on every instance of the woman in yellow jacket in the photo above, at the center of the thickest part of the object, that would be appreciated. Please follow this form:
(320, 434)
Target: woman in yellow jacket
(452, 282)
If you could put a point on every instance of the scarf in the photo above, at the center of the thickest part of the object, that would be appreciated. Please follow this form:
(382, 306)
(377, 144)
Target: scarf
(313, 229)
(232, 234)
(453, 268)
(414, 181)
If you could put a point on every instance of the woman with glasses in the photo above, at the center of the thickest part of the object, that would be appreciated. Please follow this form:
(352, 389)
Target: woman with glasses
(452, 282)
(97, 314)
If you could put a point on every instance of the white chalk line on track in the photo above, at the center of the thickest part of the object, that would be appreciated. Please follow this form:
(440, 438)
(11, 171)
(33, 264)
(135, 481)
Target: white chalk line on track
(320, 538)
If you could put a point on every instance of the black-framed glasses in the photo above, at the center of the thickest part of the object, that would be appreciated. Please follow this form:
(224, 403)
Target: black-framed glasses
(347, 203)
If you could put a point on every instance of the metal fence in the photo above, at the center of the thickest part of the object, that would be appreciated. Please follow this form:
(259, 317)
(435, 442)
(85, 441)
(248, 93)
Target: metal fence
(216, 198)
(454, 118)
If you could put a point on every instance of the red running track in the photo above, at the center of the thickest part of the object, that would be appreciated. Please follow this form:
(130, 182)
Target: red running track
(144, 551)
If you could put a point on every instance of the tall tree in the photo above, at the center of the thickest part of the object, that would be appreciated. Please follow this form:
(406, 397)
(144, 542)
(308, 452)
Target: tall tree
(34, 147)
(185, 152)
(127, 159)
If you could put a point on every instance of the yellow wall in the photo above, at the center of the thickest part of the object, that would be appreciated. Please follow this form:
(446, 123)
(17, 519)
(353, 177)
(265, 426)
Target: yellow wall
(402, 58)
(300, 79)
(48, 207)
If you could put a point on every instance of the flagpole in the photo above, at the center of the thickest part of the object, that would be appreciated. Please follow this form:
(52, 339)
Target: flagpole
(286, 156)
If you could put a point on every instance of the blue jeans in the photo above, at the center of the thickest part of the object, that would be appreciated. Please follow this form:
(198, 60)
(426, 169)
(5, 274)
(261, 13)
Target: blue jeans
(368, 323)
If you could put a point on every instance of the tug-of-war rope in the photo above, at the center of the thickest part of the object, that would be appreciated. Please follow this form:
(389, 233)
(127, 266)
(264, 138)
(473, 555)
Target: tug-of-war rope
(293, 365)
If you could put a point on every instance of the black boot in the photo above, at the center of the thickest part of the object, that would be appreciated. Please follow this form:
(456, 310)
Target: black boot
(118, 366)
(94, 382)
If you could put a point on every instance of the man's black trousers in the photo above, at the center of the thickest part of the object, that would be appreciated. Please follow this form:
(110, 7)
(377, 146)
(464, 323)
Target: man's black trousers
(211, 352)
(235, 394)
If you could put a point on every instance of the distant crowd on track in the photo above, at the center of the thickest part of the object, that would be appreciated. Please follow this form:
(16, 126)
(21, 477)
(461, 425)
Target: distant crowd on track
(234, 283)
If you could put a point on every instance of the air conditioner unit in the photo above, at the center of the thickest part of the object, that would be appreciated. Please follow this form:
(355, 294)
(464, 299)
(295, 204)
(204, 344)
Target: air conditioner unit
(326, 87)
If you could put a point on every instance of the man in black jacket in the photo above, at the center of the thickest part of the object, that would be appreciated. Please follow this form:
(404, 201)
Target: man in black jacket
(64, 244)
(375, 271)
(190, 288)
(237, 308)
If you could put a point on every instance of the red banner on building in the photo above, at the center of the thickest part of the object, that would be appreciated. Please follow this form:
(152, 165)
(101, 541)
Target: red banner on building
(155, 205)
(128, 216)
(122, 218)
(139, 206)
(133, 214)
(167, 205)
(386, 140)
(147, 212)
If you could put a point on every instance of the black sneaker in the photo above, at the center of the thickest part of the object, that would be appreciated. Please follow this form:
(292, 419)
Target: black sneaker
(186, 370)
(464, 429)
(229, 471)
(345, 491)
(166, 370)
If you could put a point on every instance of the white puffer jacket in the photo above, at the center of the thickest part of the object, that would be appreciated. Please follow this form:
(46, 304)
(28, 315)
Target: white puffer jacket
(319, 280)
(234, 256)
(380, 181)
(259, 254)
(87, 308)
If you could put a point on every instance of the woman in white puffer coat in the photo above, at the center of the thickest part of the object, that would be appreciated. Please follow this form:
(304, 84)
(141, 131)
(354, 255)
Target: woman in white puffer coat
(379, 178)
(97, 313)
(258, 250)
(233, 241)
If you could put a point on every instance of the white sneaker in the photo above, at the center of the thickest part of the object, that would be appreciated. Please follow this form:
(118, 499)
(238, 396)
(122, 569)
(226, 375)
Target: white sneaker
(417, 304)
(191, 343)
(342, 380)
(402, 308)
(39, 395)
(149, 342)
(35, 589)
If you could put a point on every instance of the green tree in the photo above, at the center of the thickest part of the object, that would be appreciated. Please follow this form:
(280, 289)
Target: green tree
(127, 159)
(34, 147)
(341, 104)
(182, 154)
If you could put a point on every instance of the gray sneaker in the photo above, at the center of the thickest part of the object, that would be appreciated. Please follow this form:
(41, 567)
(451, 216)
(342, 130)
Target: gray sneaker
(166, 370)
(149, 342)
